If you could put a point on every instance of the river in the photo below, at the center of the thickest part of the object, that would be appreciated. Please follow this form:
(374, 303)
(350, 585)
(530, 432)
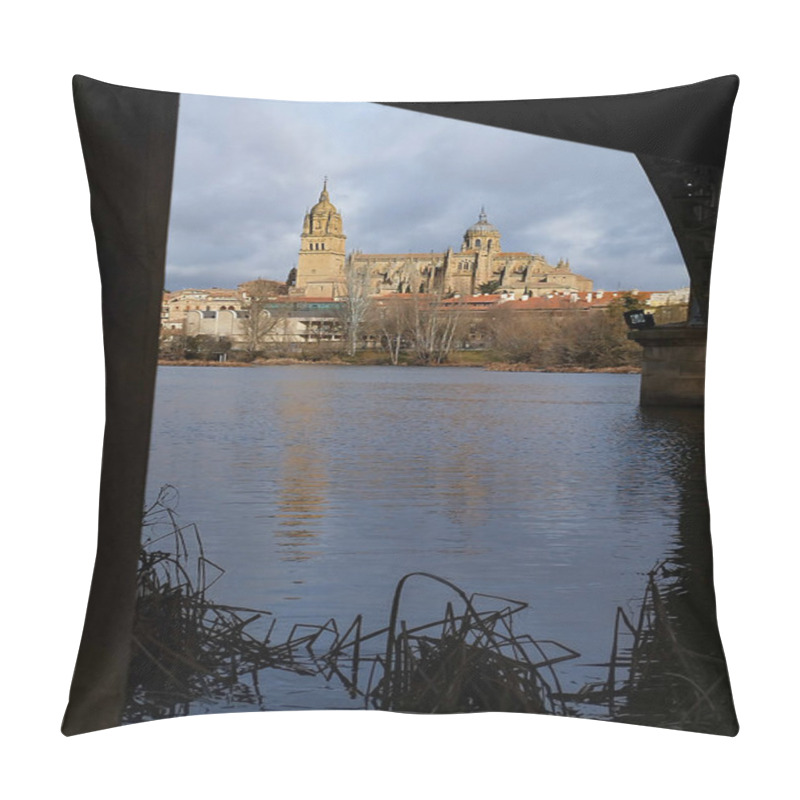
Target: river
(318, 487)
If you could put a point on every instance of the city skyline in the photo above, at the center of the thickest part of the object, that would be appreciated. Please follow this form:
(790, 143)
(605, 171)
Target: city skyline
(246, 171)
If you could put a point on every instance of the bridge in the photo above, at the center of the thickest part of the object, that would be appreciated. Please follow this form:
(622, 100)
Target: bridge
(680, 137)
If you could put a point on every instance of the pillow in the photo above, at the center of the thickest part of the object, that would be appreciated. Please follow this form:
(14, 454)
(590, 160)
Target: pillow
(338, 524)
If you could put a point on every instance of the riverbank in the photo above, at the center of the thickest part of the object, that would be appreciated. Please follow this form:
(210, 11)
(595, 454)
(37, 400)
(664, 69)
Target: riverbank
(504, 367)
(491, 366)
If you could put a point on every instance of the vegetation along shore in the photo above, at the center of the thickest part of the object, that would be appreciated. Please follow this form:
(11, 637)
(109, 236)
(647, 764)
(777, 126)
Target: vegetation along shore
(409, 334)
(491, 366)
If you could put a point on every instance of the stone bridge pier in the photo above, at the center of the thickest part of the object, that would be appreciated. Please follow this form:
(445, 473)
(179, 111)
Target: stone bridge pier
(673, 365)
(674, 357)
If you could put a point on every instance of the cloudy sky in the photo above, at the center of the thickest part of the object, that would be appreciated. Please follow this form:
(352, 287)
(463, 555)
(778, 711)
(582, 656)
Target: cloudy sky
(246, 172)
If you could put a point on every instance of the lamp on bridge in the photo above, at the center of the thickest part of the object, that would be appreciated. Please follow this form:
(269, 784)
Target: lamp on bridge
(639, 320)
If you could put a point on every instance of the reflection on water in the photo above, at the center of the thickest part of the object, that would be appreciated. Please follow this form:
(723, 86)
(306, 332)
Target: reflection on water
(302, 481)
(318, 488)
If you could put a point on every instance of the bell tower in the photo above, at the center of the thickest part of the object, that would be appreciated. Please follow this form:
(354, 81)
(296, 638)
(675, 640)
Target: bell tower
(320, 264)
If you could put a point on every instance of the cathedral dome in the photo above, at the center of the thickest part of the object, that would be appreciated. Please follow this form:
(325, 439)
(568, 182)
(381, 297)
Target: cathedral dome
(482, 236)
(482, 227)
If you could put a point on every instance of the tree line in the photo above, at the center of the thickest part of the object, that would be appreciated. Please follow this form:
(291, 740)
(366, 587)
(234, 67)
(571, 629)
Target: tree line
(431, 330)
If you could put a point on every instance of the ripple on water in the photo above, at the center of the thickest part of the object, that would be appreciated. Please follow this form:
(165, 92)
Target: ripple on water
(317, 489)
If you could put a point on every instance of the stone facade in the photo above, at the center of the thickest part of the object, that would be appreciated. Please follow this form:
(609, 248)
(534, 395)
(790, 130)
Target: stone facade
(323, 263)
(175, 306)
(287, 323)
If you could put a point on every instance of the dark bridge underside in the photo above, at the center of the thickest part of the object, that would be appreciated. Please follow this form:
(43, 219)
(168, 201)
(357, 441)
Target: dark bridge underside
(679, 135)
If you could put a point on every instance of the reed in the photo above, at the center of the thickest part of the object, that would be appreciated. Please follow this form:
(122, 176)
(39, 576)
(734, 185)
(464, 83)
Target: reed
(190, 651)
(476, 663)
(185, 647)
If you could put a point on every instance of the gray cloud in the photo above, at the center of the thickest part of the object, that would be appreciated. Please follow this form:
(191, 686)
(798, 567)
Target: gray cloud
(247, 170)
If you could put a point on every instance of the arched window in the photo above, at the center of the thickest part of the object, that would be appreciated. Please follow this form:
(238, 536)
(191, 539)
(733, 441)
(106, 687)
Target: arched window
(477, 243)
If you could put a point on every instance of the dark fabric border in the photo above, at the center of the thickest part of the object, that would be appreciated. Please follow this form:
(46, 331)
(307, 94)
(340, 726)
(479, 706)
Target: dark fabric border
(128, 141)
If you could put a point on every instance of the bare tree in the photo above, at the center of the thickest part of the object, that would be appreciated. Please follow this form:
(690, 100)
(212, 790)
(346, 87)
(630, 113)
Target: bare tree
(356, 303)
(562, 338)
(435, 326)
(258, 322)
(521, 336)
(389, 319)
(172, 344)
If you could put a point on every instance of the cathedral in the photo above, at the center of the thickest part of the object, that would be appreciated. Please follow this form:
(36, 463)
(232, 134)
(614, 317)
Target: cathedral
(323, 265)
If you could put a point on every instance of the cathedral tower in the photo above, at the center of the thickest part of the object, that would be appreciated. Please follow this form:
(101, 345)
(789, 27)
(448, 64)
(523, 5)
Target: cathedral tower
(482, 244)
(320, 264)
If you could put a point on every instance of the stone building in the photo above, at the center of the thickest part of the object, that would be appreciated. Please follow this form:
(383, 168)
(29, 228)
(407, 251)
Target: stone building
(285, 321)
(323, 264)
(175, 306)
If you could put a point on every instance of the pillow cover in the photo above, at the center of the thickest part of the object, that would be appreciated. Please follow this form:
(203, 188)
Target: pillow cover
(320, 529)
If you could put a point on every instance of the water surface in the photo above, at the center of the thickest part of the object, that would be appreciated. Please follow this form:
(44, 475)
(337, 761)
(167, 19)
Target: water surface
(318, 487)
